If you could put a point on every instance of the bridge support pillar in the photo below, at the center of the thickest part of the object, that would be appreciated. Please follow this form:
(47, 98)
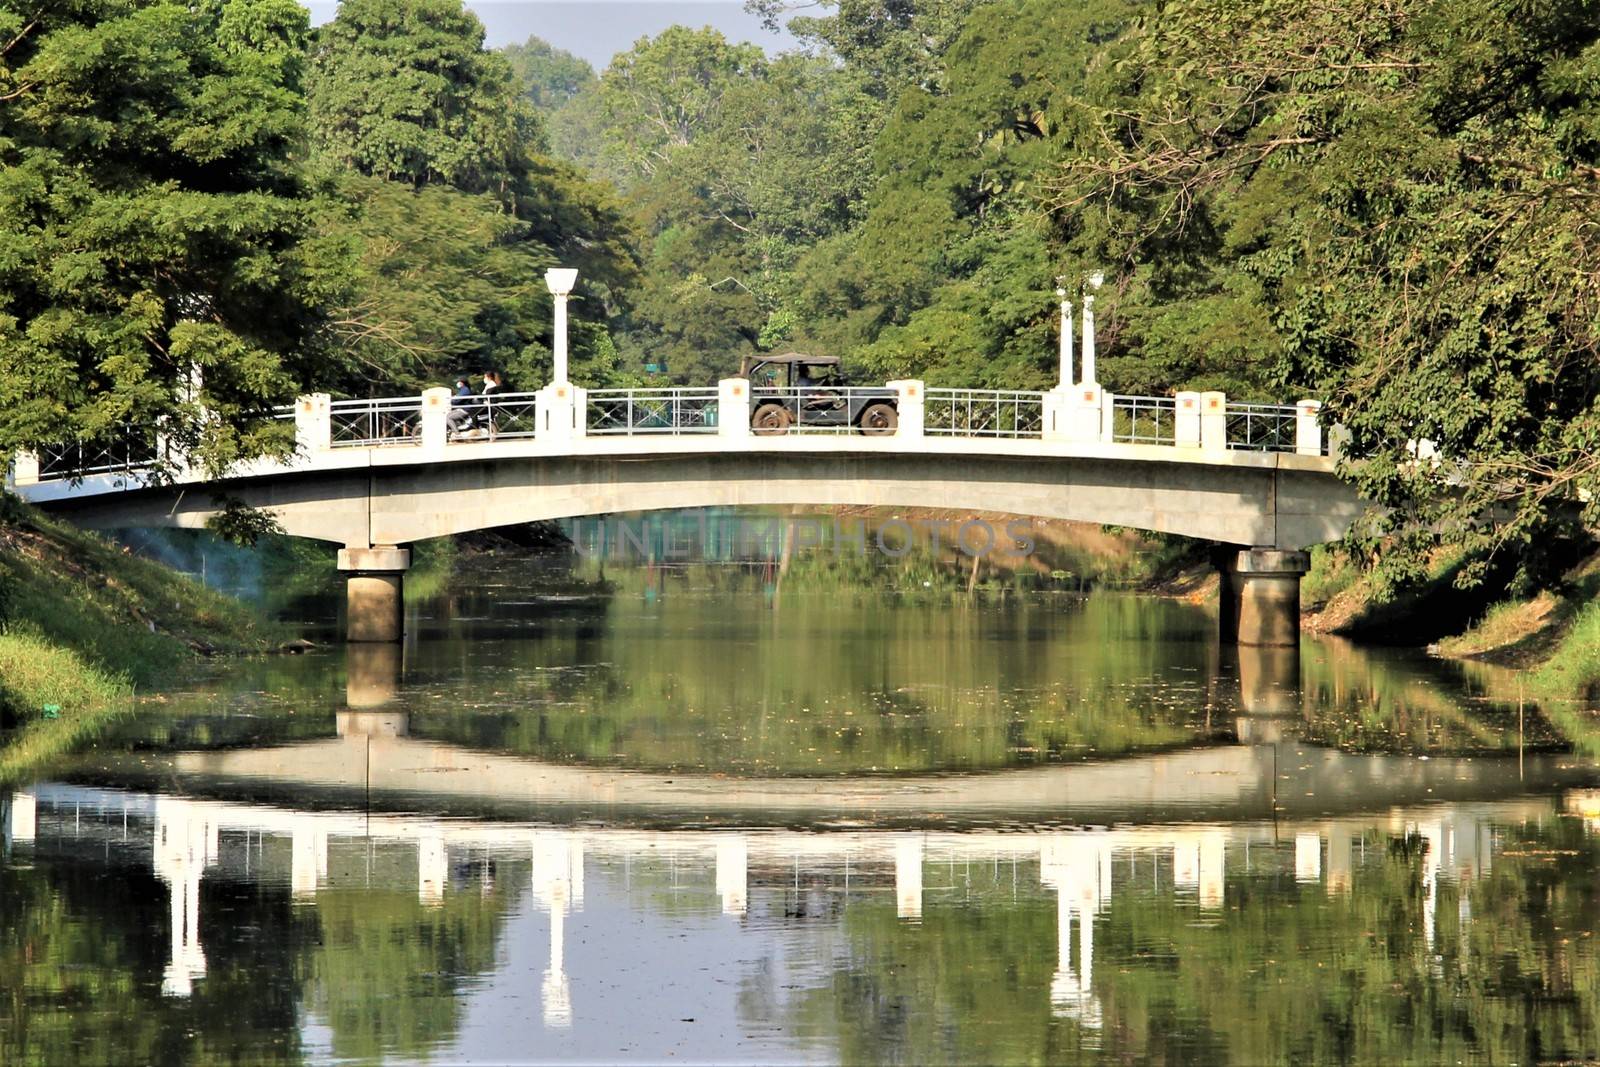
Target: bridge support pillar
(24, 469)
(374, 588)
(1260, 596)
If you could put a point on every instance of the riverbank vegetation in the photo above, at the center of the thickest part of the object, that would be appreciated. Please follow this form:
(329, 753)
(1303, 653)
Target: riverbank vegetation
(86, 624)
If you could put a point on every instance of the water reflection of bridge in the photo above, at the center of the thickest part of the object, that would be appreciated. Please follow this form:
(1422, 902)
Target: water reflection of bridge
(186, 840)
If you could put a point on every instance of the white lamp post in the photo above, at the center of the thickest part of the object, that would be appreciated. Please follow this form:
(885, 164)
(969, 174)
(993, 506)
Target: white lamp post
(1095, 281)
(1066, 336)
(560, 282)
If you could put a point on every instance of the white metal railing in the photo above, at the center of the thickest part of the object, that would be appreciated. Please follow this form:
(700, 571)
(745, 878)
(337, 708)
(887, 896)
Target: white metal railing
(374, 422)
(651, 411)
(75, 459)
(1204, 421)
(822, 409)
(1261, 427)
(983, 413)
(496, 416)
(1144, 420)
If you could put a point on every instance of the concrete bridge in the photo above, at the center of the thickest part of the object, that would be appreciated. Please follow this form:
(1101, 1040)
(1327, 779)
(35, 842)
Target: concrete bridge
(373, 476)
(376, 475)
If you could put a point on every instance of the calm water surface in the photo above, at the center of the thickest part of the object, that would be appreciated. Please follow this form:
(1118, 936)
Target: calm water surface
(695, 819)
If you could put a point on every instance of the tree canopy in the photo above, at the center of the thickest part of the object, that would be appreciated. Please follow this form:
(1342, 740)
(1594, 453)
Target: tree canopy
(151, 222)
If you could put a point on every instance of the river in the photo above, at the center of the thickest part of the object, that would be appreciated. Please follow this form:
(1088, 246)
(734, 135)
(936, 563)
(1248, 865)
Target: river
(707, 814)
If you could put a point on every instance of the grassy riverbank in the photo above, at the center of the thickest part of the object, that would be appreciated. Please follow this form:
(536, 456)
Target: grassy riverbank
(86, 625)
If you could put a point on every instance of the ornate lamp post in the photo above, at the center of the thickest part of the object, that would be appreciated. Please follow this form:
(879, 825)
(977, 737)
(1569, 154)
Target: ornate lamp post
(560, 282)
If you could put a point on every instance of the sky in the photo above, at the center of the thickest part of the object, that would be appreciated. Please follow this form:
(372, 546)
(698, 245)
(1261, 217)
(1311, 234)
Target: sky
(598, 29)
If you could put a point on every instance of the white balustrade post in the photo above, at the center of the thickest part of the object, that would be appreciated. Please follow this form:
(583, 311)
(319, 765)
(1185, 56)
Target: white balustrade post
(1307, 430)
(562, 408)
(435, 419)
(909, 393)
(1186, 420)
(733, 408)
(24, 469)
(1085, 420)
(313, 423)
(1214, 422)
(1108, 417)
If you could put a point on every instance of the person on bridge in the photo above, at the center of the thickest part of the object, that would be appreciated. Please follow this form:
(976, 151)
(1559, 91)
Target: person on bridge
(459, 418)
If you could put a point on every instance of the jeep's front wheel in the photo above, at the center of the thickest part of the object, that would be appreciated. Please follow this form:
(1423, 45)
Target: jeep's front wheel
(770, 420)
(879, 420)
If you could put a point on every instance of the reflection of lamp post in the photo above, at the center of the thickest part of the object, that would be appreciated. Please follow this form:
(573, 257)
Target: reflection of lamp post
(1066, 334)
(558, 887)
(560, 282)
(1095, 280)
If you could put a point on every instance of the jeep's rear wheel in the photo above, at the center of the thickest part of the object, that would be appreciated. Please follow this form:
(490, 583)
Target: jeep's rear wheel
(770, 420)
(879, 420)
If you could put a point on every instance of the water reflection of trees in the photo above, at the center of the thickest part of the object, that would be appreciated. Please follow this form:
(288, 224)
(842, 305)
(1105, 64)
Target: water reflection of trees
(1446, 933)
(826, 684)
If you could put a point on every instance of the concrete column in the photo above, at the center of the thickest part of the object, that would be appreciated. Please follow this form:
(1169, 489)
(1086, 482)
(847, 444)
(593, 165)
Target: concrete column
(435, 409)
(1085, 419)
(1058, 404)
(1089, 372)
(24, 469)
(371, 675)
(908, 877)
(562, 412)
(1269, 680)
(733, 408)
(1260, 597)
(1065, 381)
(308, 859)
(1214, 422)
(313, 424)
(1307, 430)
(909, 399)
(1108, 418)
(1186, 420)
(433, 869)
(374, 588)
(733, 873)
(21, 818)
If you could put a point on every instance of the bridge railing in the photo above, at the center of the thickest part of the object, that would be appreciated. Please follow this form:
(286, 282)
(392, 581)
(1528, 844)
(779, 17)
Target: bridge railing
(76, 459)
(652, 411)
(1204, 421)
(375, 422)
(1262, 427)
(506, 415)
(983, 413)
(1144, 420)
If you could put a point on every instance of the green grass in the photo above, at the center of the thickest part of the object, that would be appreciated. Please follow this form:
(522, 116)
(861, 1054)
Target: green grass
(120, 613)
(1331, 573)
(36, 674)
(1573, 669)
(83, 622)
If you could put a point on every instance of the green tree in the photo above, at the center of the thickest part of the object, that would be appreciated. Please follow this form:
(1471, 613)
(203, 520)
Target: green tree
(150, 227)
(549, 76)
(661, 94)
(1408, 187)
(403, 90)
(442, 212)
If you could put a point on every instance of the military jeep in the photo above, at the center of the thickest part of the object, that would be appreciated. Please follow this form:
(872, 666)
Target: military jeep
(797, 391)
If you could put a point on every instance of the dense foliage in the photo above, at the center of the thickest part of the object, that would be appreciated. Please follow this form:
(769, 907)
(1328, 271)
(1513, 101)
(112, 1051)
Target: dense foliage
(1387, 204)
